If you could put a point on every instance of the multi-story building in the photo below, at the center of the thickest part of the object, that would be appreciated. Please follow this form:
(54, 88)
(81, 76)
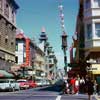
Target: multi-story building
(92, 35)
(50, 58)
(88, 37)
(78, 60)
(8, 9)
(29, 56)
(51, 63)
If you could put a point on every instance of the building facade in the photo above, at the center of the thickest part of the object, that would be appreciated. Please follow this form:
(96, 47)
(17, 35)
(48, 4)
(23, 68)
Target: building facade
(50, 58)
(8, 9)
(87, 43)
(92, 35)
(29, 56)
(77, 51)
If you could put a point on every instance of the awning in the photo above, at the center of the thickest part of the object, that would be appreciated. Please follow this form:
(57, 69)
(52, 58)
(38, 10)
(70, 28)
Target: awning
(5, 74)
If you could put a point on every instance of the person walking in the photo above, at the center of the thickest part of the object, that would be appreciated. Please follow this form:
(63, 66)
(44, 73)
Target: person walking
(63, 87)
(90, 88)
(95, 87)
(76, 86)
(81, 85)
(72, 82)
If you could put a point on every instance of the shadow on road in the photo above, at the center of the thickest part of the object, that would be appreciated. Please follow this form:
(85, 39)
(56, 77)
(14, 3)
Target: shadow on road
(52, 88)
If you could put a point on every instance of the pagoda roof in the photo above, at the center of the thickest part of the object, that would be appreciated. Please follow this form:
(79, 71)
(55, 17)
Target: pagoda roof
(20, 36)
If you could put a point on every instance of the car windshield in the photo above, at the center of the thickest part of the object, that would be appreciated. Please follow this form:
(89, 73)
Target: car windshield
(38, 80)
(4, 81)
(21, 81)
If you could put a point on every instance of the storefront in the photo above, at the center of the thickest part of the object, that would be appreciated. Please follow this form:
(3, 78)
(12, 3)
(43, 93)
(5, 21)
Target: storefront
(94, 71)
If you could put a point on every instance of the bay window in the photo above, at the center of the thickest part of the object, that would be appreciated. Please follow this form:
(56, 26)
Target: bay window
(97, 29)
(96, 3)
(87, 4)
(89, 31)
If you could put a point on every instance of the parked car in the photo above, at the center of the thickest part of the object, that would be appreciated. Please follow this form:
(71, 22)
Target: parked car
(32, 84)
(47, 82)
(39, 82)
(9, 84)
(23, 83)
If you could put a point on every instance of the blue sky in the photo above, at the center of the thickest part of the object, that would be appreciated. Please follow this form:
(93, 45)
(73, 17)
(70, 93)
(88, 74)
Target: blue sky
(34, 14)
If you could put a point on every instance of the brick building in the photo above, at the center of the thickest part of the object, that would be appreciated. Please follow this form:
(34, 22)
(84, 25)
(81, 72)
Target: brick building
(8, 10)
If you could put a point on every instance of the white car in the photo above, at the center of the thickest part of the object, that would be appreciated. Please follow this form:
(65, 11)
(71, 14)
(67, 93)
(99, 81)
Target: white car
(9, 84)
(39, 82)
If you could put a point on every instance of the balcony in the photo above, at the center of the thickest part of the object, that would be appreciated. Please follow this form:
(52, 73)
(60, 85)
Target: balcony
(92, 12)
(93, 44)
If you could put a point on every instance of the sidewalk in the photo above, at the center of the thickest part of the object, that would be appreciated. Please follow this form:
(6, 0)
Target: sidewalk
(97, 97)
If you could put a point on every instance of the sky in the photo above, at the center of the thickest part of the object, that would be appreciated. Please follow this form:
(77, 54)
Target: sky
(35, 14)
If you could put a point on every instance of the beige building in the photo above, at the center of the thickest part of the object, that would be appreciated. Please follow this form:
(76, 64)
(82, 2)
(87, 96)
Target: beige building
(92, 36)
(39, 63)
(88, 38)
(8, 10)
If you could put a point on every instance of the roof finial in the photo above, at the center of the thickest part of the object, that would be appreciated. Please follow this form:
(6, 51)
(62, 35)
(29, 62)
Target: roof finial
(43, 30)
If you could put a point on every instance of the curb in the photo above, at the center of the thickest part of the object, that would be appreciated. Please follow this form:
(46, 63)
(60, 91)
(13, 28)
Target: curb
(97, 97)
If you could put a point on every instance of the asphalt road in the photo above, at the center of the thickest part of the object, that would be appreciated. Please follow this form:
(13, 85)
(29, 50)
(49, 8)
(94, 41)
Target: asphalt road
(40, 94)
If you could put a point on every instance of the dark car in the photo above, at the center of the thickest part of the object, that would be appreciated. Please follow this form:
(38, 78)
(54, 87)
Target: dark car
(58, 85)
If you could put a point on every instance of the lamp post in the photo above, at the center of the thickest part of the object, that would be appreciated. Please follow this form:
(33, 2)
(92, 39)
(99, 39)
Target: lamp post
(33, 70)
(64, 48)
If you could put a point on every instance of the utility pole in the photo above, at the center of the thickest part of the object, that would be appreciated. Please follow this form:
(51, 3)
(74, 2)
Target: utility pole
(64, 35)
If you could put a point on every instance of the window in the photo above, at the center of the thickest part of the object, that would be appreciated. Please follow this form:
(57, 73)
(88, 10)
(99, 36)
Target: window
(96, 3)
(13, 16)
(6, 40)
(16, 47)
(97, 29)
(16, 59)
(89, 31)
(87, 4)
(6, 9)
(12, 43)
(0, 4)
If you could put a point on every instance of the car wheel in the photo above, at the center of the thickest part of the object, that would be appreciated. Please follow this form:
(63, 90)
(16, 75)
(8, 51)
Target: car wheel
(10, 89)
(13, 89)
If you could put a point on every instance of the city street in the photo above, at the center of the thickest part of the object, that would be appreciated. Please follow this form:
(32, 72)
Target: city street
(40, 94)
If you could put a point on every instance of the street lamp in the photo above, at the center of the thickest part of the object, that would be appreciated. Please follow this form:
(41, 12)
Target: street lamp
(33, 77)
(23, 70)
(64, 48)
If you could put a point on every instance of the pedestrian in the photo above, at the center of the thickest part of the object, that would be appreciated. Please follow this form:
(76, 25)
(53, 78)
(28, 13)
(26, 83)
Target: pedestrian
(76, 85)
(95, 87)
(63, 87)
(90, 88)
(72, 82)
(81, 85)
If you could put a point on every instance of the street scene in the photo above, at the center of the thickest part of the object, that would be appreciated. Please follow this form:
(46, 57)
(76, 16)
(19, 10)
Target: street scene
(49, 50)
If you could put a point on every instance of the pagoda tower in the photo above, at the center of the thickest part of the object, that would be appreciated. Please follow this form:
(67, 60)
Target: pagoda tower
(43, 39)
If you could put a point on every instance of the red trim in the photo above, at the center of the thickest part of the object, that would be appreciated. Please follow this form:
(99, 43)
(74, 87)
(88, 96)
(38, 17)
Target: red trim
(27, 51)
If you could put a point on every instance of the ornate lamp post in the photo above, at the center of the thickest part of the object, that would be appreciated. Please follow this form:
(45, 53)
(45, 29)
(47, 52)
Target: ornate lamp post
(64, 48)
